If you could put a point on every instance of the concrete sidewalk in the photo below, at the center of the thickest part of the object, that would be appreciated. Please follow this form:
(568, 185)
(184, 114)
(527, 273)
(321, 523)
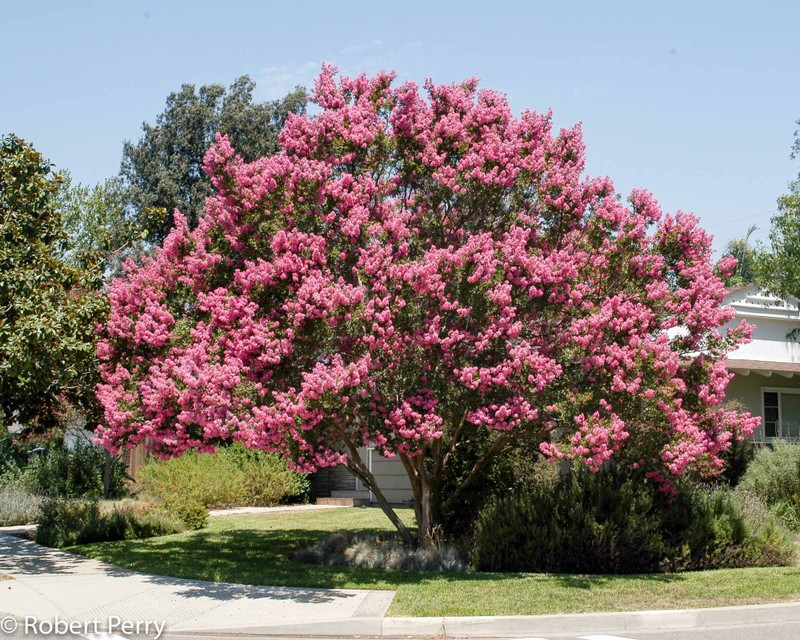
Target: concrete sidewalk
(48, 584)
(251, 511)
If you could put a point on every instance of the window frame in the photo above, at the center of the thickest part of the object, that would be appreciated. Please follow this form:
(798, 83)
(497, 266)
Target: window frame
(779, 390)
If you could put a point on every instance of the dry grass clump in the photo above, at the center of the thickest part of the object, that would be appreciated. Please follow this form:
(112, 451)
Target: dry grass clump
(384, 552)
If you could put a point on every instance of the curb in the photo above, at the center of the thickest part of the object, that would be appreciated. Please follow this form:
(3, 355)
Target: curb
(525, 626)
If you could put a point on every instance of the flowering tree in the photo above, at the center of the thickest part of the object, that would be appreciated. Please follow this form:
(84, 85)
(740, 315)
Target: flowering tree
(409, 270)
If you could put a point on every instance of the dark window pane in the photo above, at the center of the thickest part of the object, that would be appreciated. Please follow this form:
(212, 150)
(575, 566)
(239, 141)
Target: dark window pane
(770, 414)
(770, 399)
(770, 429)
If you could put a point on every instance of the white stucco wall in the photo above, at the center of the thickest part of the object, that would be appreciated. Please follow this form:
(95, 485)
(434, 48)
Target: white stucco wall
(769, 341)
(773, 319)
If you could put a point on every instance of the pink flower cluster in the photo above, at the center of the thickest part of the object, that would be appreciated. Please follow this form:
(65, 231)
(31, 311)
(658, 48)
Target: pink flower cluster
(410, 260)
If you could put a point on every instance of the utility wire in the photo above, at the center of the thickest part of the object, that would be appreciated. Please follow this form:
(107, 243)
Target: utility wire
(755, 215)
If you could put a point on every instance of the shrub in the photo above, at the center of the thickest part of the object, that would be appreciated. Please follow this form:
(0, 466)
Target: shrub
(774, 474)
(65, 523)
(234, 476)
(18, 506)
(789, 512)
(520, 467)
(267, 479)
(13, 457)
(588, 522)
(384, 552)
(192, 512)
(73, 473)
(608, 523)
(724, 529)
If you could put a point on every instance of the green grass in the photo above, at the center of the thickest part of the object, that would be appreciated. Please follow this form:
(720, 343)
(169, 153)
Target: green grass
(256, 549)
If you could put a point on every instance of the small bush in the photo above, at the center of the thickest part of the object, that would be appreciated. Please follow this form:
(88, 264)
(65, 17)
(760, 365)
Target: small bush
(774, 474)
(234, 476)
(724, 529)
(789, 513)
(193, 513)
(13, 458)
(65, 523)
(18, 506)
(380, 552)
(267, 479)
(73, 473)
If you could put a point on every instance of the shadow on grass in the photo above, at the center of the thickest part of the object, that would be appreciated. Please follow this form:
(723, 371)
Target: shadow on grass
(263, 557)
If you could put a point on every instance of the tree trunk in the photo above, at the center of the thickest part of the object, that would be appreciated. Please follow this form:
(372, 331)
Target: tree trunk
(358, 468)
(421, 487)
(425, 519)
(108, 468)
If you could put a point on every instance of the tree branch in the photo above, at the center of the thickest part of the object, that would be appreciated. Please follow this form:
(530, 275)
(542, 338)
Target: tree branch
(498, 446)
(356, 465)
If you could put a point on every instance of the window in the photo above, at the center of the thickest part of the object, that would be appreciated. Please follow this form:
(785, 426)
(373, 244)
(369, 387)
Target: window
(781, 416)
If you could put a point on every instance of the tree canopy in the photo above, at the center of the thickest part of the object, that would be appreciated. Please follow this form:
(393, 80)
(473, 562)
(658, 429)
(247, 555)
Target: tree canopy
(99, 231)
(779, 266)
(412, 269)
(163, 171)
(47, 309)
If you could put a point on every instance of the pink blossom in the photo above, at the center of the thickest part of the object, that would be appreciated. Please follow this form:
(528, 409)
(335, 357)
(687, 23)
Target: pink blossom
(409, 259)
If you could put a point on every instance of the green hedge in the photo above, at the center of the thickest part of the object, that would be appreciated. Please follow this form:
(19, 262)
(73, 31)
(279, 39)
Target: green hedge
(233, 476)
(609, 523)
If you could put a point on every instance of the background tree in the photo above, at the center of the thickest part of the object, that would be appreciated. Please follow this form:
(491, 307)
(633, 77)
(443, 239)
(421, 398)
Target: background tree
(779, 266)
(48, 311)
(746, 257)
(424, 273)
(100, 233)
(163, 171)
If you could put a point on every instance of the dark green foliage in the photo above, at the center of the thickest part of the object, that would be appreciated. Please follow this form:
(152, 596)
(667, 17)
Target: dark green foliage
(608, 522)
(714, 533)
(75, 473)
(13, 456)
(520, 466)
(47, 309)
(737, 459)
(65, 523)
(586, 523)
(163, 171)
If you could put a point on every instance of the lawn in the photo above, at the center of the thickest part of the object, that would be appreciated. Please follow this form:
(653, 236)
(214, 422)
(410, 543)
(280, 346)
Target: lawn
(256, 549)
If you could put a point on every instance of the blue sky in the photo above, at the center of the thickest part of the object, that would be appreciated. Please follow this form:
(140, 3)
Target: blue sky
(695, 101)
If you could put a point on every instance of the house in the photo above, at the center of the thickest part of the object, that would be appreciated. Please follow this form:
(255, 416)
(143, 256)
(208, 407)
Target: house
(337, 483)
(767, 370)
